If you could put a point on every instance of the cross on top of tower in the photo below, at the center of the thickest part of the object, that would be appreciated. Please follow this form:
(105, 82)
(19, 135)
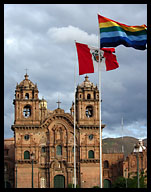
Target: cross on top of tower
(26, 76)
(58, 104)
(26, 71)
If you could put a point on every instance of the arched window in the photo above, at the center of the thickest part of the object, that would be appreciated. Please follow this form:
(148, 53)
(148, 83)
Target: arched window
(91, 154)
(89, 111)
(43, 149)
(88, 96)
(59, 150)
(26, 155)
(27, 96)
(27, 111)
(106, 164)
(26, 137)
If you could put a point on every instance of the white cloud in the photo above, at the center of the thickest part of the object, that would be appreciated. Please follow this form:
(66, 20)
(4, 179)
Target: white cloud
(135, 129)
(71, 33)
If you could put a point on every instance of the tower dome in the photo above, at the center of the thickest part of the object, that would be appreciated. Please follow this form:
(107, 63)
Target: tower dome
(26, 83)
(87, 83)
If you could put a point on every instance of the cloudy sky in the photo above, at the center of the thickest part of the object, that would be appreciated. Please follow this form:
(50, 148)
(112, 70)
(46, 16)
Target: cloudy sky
(40, 37)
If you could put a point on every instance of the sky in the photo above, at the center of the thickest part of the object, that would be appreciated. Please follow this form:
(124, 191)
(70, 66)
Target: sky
(41, 38)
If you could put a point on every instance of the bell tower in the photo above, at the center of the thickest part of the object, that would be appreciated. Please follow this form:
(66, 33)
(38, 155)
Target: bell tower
(87, 103)
(26, 103)
(87, 117)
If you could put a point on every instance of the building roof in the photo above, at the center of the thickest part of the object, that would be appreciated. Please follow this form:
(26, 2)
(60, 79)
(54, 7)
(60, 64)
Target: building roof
(9, 139)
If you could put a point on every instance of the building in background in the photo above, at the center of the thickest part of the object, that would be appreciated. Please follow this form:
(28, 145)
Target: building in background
(130, 164)
(9, 160)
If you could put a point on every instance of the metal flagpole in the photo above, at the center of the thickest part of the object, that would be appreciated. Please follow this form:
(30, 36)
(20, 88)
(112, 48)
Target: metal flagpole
(75, 125)
(100, 125)
(99, 73)
(122, 135)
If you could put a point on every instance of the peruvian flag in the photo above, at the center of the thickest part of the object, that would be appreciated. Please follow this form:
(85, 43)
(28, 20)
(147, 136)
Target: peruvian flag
(88, 58)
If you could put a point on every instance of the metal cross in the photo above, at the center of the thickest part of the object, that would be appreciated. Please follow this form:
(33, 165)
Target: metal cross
(58, 104)
(26, 70)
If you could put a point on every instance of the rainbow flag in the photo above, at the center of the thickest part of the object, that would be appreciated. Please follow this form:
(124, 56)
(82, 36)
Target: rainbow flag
(113, 33)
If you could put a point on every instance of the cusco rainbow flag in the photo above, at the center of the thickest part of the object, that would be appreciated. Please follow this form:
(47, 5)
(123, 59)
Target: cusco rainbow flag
(113, 33)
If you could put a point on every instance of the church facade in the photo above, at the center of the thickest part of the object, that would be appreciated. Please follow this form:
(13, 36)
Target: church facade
(44, 140)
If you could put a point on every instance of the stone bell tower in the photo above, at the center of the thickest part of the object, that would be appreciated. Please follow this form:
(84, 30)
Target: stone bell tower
(26, 131)
(87, 103)
(87, 116)
(26, 103)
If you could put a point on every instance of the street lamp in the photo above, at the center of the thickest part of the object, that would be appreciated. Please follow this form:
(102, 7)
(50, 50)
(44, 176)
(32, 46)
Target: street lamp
(32, 158)
(136, 150)
(126, 176)
(5, 171)
(16, 174)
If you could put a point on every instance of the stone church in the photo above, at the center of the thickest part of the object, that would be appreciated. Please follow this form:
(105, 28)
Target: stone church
(41, 153)
(44, 139)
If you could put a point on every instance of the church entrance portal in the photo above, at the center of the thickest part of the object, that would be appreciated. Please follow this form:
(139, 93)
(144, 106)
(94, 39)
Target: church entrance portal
(59, 181)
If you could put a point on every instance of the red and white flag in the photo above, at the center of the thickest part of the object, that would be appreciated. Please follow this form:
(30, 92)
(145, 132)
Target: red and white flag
(88, 58)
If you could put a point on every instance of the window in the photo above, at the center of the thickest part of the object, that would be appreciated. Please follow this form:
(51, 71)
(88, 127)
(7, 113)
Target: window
(43, 149)
(106, 164)
(59, 150)
(27, 111)
(91, 136)
(89, 111)
(26, 155)
(27, 96)
(72, 149)
(91, 154)
(88, 96)
(26, 137)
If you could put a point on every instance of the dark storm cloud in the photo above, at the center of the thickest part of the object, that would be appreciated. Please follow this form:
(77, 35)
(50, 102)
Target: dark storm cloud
(41, 38)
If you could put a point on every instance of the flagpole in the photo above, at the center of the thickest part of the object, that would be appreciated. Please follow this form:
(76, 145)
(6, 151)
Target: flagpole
(99, 73)
(75, 125)
(122, 135)
(100, 127)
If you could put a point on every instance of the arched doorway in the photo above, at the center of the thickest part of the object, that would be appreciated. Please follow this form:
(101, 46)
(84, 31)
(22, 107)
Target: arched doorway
(59, 181)
(107, 183)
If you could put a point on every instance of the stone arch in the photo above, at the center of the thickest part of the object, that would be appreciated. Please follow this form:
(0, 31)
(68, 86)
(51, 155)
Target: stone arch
(27, 96)
(64, 117)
